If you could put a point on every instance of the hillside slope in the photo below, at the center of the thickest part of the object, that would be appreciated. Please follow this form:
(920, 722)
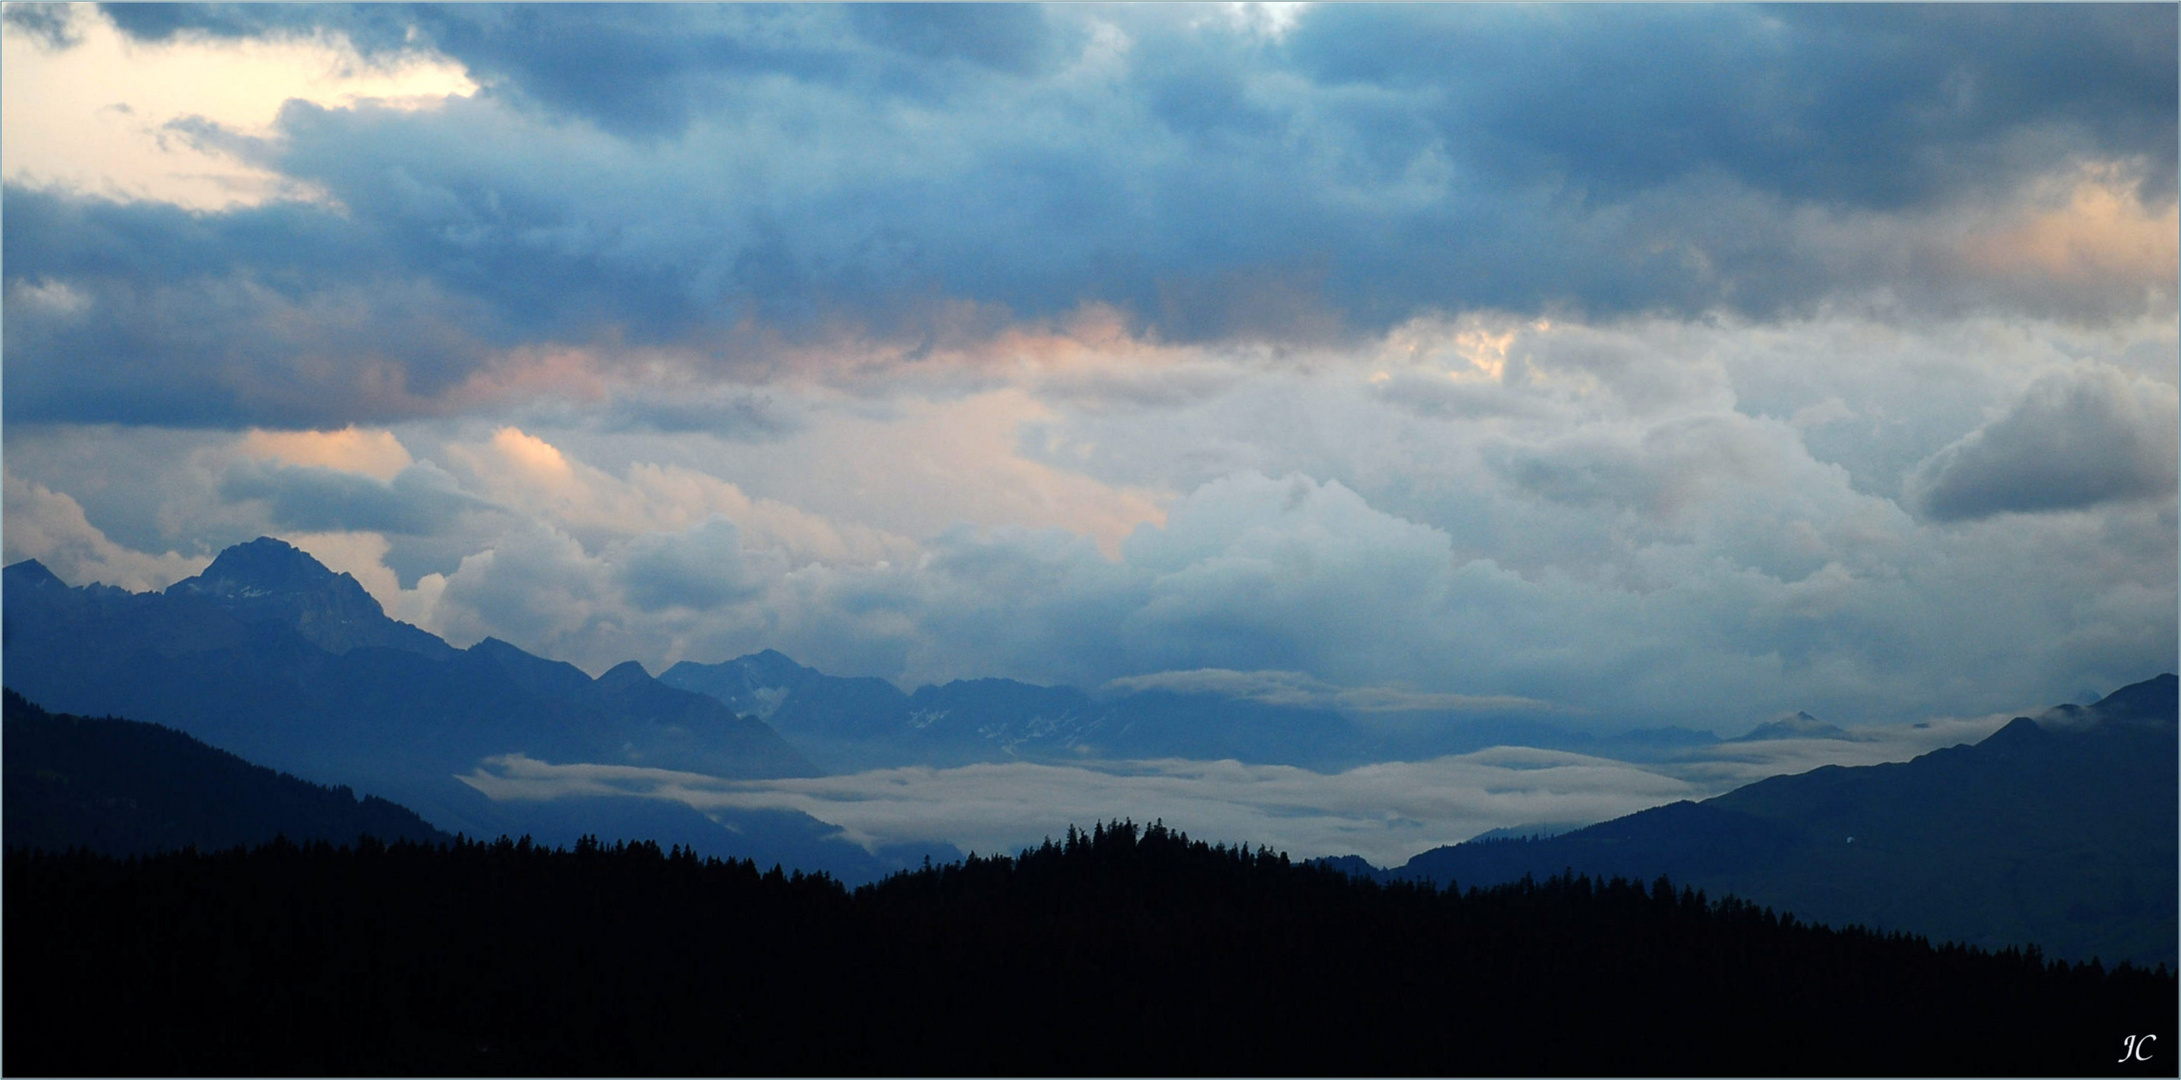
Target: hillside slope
(1119, 952)
(2059, 831)
(119, 787)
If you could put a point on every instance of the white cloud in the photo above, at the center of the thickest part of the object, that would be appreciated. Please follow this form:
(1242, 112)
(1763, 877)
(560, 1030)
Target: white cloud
(362, 555)
(50, 527)
(374, 452)
(96, 115)
(534, 587)
(1386, 812)
(1702, 557)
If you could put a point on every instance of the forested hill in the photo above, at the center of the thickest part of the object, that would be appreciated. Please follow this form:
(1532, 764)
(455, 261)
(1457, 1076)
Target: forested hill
(126, 788)
(2059, 830)
(1119, 952)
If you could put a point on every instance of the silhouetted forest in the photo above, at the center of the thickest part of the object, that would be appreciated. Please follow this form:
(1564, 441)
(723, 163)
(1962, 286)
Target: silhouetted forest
(128, 788)
(1124, 950)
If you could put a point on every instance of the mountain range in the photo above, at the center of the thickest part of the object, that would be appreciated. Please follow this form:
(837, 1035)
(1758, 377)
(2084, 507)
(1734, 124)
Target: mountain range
(862, 723)
(269, 652)
(2059, 830)
(848, 724)
(269, 655)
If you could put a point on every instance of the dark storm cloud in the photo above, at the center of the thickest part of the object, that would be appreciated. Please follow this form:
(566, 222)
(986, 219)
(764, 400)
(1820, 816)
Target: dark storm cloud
(421, 500)
(646, 70)
(1861, 104)
(286, 314)
(2073, 441)
(680, 174)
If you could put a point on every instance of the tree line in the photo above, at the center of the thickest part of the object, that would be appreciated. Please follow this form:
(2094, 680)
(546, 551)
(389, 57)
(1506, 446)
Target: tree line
(1120, 950)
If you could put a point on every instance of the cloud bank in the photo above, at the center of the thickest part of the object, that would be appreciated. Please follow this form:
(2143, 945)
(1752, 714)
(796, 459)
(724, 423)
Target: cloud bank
(1635, 365)
(1385, 812)
(733, 190)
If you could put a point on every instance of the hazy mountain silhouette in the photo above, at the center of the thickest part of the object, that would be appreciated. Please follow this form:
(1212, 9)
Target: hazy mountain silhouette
(119, 787)
(2058, 831)
(271, 656)
(861, 723)
(269, 580)
(1802, 725)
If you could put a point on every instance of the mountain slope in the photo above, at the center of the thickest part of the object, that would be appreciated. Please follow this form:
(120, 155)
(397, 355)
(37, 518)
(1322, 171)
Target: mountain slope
(2059, 831)
(268, 580)
(119, 787)
(278, 660)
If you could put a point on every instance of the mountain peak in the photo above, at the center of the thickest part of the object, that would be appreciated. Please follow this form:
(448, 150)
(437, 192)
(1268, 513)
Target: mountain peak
(266, 566)
(2147, 704)
(1802, 725)
(29, 574)
(272, 579)
(625, 673)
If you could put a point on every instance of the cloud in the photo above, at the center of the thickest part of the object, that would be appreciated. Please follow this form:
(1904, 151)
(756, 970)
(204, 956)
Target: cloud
(2074, 440)
(50, 527)
(699, 569)
(1295, 688)
(1251, 569)
(375, 453)
(1671, 522)
(420, 500)
(1864, 106)
(52, 26)
(1386, 812)
(535, 587)
(743, 192)
(178, 122)
(176, 322)
(731, 412)
(362, 555)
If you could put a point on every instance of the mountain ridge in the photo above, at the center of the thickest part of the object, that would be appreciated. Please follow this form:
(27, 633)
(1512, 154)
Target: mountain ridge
(272, 579)
(227, 660)
(2059, 830)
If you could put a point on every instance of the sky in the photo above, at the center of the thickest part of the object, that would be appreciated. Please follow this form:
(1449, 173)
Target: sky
(1662, 365)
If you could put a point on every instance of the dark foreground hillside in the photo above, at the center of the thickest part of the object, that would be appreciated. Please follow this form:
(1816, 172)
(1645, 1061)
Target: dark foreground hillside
(1119, 952)
(119, 787)
(2059, 830)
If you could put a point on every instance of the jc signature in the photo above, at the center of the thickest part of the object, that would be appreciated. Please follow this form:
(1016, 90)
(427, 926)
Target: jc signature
(2136, 1048)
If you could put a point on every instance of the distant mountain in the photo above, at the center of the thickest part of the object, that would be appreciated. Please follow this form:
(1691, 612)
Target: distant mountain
(119, 787)
(268, 580)
(2058, 831)
(860, 723)
(848, 724)
(1802, 725)
(271, 656)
